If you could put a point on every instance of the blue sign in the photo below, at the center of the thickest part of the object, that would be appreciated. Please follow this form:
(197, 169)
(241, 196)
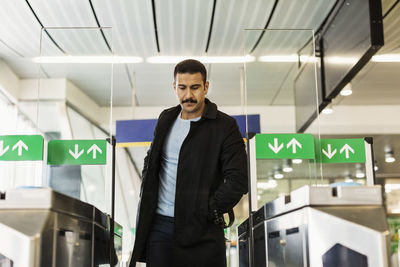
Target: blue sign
(141, 132)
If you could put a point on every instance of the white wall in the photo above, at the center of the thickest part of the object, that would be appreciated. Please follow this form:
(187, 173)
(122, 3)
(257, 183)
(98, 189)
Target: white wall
(9, 82)
(46, 89)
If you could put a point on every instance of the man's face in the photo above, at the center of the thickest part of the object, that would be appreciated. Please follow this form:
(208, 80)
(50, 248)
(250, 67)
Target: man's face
(191, 92)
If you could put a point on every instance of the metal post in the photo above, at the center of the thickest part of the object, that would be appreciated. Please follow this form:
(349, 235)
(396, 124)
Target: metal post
(252, 183)
(369, 161)
(112, 254)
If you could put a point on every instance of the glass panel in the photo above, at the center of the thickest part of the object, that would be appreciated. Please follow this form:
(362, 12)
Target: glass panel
(14, 120)
(76, 107)
(282, 86)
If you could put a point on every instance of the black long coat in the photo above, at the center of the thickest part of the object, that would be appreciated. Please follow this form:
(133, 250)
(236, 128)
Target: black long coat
(212, 164)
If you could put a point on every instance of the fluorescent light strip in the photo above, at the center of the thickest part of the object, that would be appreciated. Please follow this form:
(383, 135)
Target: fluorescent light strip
(286, 58)
(332, 60)
(203, 59)
(341, 60)
(279, 58)
(386, 58)
(87, 59)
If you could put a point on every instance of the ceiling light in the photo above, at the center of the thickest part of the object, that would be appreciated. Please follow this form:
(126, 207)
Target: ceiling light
(359, 171)
(386, 58)
(347, 177)
(87, 59)
(389, 158)
(287, 166)
(341, 60)
(361, 181)
(278, 175)
(279, 58)
(203, 59)
(389, 155)
(376, 168)
(267, 185)
(346, 91)
(287, 169)
(360, 174)
(286, 58)
(328, 109)
(348, 180)
(297, 161)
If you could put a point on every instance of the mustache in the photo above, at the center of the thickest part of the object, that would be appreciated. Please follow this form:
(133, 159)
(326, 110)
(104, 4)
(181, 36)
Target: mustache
(189, 100)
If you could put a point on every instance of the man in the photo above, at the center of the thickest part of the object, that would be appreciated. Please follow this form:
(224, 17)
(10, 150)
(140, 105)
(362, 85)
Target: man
(194, 172)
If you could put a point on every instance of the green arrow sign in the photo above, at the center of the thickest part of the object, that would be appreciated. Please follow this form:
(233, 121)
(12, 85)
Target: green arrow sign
(77, 152)
(285, 146)
(342, 151)
(21, 147)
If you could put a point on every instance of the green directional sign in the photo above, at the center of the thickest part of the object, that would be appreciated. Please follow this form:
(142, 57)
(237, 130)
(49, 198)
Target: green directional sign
(21, 147)
(77, 152)
(285, 146)
(341, 151)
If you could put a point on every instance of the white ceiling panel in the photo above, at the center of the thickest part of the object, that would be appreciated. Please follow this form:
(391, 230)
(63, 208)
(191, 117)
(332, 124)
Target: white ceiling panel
(183, 26)
(232, 17)
(391, 27)
(132, 23)
(23, 67)
(303, 15)
(281, 42)
(19, 29)
(76, 13)
(306, 14)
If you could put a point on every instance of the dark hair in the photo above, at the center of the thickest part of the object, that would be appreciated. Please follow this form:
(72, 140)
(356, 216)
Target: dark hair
(191, 66)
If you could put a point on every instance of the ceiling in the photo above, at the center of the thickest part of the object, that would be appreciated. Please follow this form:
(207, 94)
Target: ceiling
(181, 27)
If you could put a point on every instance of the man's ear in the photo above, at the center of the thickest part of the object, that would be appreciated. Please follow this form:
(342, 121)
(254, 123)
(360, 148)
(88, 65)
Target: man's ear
(206, 85)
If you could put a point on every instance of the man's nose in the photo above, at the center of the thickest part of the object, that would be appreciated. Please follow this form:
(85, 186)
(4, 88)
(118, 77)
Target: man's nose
(188, 94)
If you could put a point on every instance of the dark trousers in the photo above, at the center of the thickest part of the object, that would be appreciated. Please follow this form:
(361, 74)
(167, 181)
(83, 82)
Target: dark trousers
(159, 243)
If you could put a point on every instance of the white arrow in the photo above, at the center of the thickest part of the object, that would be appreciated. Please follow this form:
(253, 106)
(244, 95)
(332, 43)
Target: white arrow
(330, 153)
(2, 151)
(76, 154)
(293, 143)
(347, 148)
(20, 145)
(94, 148)
(275, 148)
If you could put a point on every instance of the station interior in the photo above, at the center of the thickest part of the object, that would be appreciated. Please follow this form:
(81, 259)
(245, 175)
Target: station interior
(73, 70)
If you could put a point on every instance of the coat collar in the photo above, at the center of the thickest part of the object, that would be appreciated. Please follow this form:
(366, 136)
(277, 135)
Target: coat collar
(210, 111)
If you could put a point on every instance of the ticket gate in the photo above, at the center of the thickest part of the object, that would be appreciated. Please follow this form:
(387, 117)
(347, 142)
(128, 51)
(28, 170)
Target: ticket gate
(43, 228)
(322, 226)
(243, 243)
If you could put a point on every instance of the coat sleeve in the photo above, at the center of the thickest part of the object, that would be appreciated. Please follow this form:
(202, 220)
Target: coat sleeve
(233, 162)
